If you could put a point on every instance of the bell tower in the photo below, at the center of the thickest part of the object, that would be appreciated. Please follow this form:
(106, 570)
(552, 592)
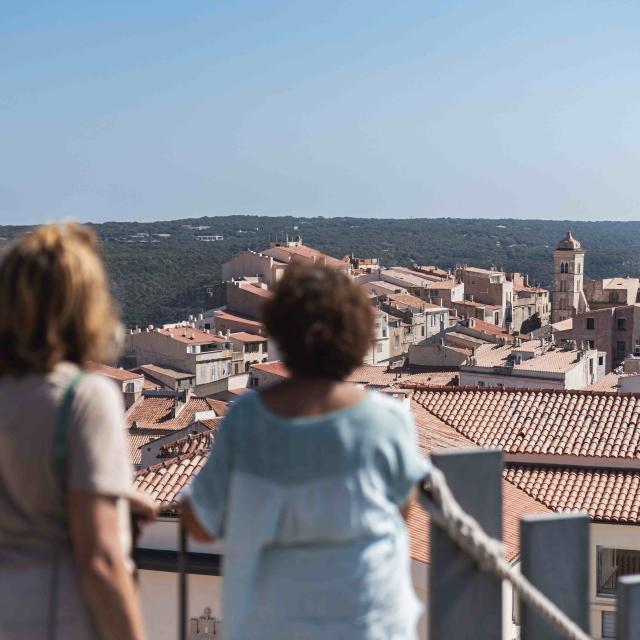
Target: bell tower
(567, 296)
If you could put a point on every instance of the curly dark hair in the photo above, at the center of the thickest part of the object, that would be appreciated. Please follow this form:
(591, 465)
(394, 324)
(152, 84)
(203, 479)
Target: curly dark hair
(321, 320)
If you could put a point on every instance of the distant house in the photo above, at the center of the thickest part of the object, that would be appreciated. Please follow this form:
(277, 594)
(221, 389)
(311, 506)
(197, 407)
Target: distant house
(209, 238)
(131, 384)
(184, 348)
(534, 364)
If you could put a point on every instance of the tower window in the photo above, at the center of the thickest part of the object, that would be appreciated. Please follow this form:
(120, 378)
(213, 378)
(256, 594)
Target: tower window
(591, 324)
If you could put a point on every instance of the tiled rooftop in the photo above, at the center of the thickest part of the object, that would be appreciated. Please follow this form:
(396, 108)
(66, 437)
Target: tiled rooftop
(113, 372)
(243, 336)
(308, 252)
(189, 444)
(545, 422)
(553, 361)
(164, 481)
(606, 383)
(411, 301)
(165, 371)
(434, 434)
(275, 368)
(515, 505)
(150, 410)
(223, 315)
(408, 277)
(379, 376)
(607, 495)
(480, 326)
(152, 416)
(444, 284)
(191, 335)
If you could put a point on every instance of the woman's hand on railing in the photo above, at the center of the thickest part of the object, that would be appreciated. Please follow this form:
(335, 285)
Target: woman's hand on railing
(192, 524)
(142, 507)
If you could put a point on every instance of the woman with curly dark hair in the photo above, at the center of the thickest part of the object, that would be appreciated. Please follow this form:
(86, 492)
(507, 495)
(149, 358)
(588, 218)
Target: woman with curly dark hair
(308, 480)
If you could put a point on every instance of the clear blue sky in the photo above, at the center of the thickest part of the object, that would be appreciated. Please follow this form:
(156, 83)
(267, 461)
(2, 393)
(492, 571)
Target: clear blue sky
(147, 110)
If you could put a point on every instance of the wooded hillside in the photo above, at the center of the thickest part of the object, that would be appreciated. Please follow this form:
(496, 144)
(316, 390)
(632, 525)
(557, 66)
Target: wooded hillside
(164, 280)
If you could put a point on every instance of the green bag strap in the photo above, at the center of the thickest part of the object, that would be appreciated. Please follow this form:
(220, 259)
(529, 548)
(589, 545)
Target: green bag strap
(60, 441)
(61, 434)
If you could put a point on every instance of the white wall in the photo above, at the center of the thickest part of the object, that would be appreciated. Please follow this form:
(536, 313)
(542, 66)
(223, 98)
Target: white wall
(616, 536)
(471, 378)
(159, 596)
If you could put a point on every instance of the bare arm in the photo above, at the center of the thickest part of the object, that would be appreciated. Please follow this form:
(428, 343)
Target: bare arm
(193, 526)
(107, 582)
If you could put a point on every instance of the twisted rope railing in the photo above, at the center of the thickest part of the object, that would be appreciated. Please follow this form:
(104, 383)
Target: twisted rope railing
(437, 498)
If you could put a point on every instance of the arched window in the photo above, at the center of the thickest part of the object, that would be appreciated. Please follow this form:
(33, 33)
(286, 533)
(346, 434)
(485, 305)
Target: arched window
(562, 267)
(578, 268)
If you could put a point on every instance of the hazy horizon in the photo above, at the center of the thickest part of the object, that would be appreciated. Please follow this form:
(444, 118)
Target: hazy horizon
(161, 111)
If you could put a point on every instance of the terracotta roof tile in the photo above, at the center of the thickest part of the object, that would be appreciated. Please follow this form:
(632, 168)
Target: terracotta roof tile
(150, 410)
(434, 434)
(379, 375)
(540, 421)
(191, 335)
(243, 336)
(554, 360)
(275, 368)
(606, 495)
(113, 372)
(193, 442)
(165, 481)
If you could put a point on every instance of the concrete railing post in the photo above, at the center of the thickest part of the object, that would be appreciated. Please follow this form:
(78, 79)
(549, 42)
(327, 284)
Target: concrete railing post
(555, 559)
(465, 603)
(628, 617)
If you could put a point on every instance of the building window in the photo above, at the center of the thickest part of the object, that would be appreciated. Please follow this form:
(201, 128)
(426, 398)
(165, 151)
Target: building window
(422, 330)
(578, 267)
(600, 361)
(480, 383)
(620, 347)
(591, 324)
(562, 267)
(591, 344)
(608, 624)
(396, 342)
(613, 563)
(379, 347)
(621, 324)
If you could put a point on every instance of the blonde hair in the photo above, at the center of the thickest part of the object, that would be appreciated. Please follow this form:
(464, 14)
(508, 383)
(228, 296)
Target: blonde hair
(55, 303)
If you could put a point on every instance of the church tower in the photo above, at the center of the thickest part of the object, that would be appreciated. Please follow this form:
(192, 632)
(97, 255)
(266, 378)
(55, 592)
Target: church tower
(567, 296)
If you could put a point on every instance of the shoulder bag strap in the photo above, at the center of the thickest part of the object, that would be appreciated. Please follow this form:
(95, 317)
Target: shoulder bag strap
(60, 445)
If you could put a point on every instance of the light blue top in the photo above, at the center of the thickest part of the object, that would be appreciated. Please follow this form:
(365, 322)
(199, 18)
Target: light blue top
(315, 546)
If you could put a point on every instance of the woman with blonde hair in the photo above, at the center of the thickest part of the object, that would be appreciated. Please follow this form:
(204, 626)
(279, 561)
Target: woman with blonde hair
(65, 572)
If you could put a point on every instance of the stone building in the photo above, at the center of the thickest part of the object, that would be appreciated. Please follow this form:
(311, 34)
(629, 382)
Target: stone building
(567, 295)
